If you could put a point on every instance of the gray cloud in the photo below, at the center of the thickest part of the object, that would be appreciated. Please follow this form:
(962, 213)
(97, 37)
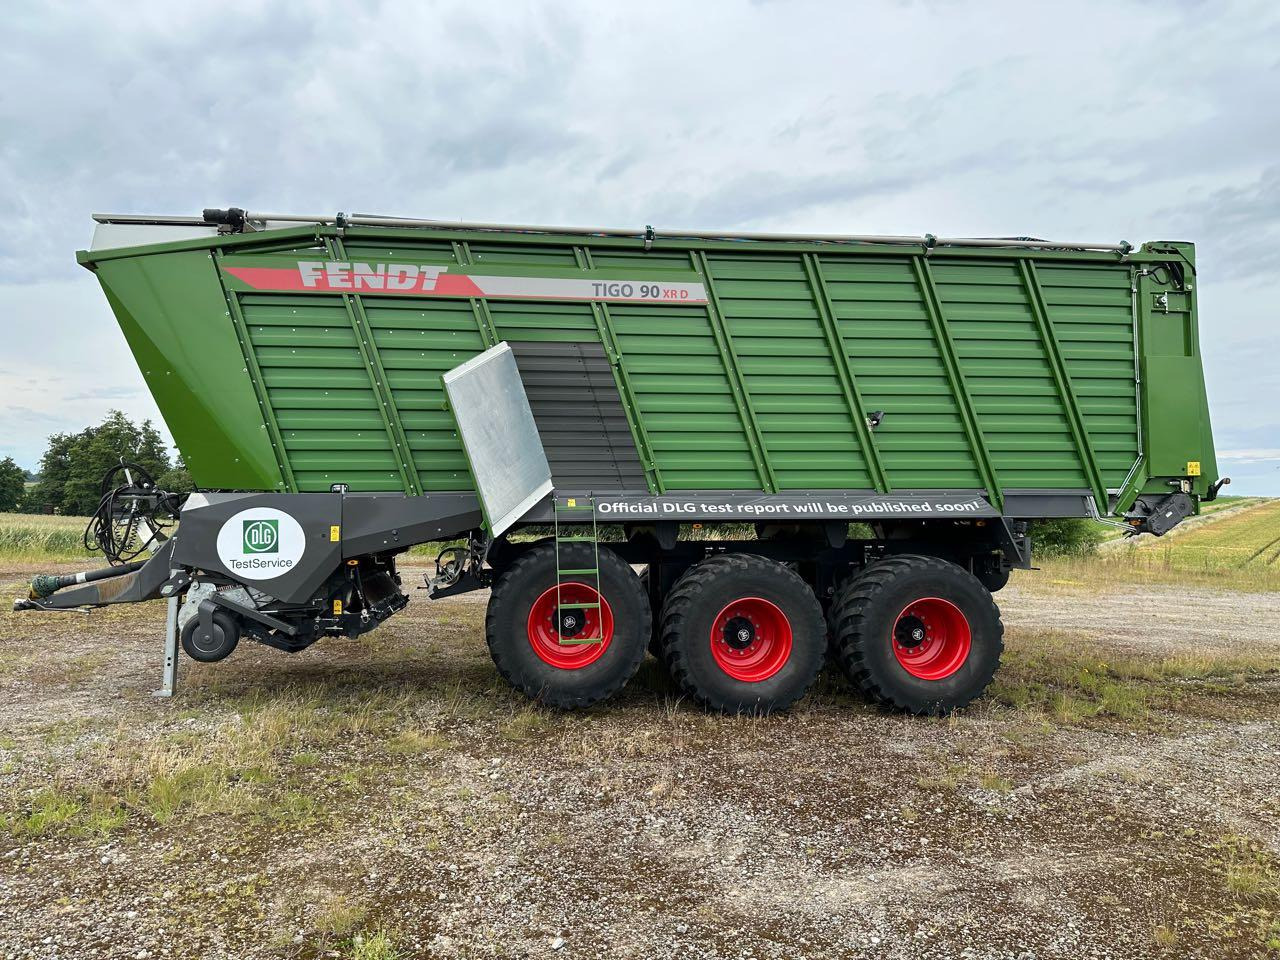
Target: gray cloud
(954, 118)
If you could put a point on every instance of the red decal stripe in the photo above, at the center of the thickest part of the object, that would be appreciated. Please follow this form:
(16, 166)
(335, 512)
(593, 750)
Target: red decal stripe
(269, 278)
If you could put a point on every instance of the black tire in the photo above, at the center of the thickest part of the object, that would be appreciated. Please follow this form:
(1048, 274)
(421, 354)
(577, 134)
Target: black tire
(655, 632)
(512, 645)
(690, 644)
(215, 644)
(869, 609)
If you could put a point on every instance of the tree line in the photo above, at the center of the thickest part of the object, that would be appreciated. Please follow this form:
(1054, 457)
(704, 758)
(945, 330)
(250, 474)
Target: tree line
(71, 470)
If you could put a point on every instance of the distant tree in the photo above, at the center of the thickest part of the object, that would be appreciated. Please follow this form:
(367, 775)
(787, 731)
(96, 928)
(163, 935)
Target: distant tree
(177, 479)
(72, 467)
(13, 484)
(1068, 536)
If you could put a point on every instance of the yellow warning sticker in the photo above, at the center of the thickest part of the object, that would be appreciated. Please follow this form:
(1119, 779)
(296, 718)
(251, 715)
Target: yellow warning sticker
(335, 534)
(337, 608)
(571, 502)
(1193, 468)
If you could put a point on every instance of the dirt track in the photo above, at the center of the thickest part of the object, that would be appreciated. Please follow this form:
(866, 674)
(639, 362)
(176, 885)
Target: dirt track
(644, 828)
(1156, 620)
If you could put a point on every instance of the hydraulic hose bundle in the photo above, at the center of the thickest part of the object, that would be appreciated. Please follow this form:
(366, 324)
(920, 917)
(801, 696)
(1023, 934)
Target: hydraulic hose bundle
(131, 519)
(131, 516)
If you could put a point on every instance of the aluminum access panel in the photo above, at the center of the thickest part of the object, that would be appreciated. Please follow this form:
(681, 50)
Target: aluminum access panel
(500, 437)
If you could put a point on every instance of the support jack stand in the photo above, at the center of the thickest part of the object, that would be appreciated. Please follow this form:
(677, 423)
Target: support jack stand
(169, 680)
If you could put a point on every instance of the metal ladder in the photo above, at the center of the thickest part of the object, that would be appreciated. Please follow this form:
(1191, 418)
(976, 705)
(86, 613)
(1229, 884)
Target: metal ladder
(574, 508)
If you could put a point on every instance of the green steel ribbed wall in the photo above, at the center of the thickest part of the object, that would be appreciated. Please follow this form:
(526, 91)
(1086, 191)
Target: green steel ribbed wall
(998, 370)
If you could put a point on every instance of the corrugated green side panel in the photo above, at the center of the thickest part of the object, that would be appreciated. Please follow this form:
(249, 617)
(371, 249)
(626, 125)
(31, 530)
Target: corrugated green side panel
(418, 343)
(320, 392)
(985, 364)
(788, 371)
(1005, 368)
(892, 351)
(1091, 310)
(324, 396)
(684, 397)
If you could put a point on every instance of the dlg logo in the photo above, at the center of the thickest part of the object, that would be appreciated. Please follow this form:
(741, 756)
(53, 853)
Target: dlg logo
(261, 536)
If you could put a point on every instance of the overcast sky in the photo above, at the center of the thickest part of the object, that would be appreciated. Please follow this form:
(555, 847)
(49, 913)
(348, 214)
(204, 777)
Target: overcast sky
(1081, 121)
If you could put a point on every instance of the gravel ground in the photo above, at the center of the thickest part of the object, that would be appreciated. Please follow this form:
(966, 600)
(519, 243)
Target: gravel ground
(1159, 620)
(412, 793)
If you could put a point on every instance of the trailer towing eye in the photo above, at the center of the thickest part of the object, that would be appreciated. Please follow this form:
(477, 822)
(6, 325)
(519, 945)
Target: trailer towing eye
(910, 633)
(739, 633)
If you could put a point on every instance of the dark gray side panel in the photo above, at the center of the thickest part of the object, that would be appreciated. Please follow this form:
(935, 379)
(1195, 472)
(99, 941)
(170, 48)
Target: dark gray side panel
(373, 523)
(1045, 504)
(580, 417)
(318, 514)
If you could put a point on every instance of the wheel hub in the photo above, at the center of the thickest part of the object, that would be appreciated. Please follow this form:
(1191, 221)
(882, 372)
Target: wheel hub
(565, 627)
(751, 639)
(931, 638)
(739, 633)
(571, 622)
(910, 632)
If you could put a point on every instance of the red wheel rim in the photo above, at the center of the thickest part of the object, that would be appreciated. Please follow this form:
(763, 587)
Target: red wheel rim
(931, 638)
(545, 633)
(751, 639)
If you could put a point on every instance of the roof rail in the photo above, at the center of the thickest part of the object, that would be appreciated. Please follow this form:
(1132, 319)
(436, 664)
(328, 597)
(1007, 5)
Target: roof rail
(640, 233)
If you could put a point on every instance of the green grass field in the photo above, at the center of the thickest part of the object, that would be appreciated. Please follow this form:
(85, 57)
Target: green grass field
(1111, 532)
(1239, 551)
(27, 536)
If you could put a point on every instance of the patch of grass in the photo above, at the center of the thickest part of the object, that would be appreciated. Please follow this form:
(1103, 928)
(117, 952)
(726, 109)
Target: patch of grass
(69, 810)
(1165, 936)
(526, 723)
(338, 917)
(1250, 874)
(47, 811)
(31, 536)
(1057, 676)
(241, 768)
(996, 782)
(947, 779)
(374, 946)
(105, 814)
(414, 741)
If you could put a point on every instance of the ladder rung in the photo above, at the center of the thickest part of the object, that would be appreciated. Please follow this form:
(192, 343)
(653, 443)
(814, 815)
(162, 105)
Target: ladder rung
(578, 641)
(582, 539)
(579, 570)
(578, 606)
(568, 509)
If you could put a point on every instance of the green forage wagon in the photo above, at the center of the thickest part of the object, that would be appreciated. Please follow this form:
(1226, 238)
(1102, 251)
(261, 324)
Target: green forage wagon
(344, 388)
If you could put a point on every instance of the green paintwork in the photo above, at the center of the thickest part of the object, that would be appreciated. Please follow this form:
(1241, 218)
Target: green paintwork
(609, 338)
(176, 321)
(999, 369)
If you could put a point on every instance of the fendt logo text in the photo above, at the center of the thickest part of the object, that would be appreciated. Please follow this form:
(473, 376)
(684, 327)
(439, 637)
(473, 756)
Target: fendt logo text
(261, 536)
(344, 275)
